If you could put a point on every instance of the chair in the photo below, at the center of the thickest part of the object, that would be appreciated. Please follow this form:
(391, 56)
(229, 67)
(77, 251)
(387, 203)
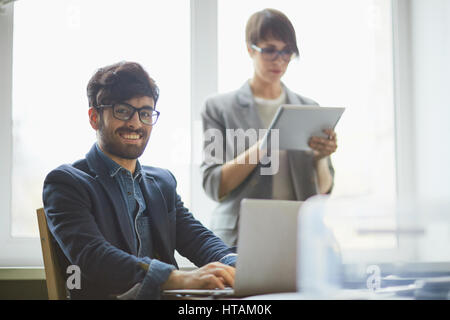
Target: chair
(53, 273)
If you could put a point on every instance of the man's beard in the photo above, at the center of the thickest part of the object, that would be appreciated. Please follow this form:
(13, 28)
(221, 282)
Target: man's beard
(112, 144)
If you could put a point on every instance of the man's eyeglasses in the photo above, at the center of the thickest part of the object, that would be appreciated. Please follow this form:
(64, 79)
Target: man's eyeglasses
(271, 54)
(124, 111)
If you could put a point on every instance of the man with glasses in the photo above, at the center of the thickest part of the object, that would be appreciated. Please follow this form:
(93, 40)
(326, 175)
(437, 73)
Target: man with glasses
(121, 222)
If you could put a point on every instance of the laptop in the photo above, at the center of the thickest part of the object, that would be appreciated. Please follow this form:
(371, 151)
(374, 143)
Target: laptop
(267, 250)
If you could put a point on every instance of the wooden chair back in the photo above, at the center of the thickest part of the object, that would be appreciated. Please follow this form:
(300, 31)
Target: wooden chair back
(56, 286)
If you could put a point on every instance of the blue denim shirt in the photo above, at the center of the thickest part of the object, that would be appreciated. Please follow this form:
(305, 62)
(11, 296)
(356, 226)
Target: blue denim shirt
(131, 192)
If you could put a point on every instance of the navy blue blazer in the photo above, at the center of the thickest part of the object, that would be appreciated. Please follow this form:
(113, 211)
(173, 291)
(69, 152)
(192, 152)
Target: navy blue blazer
(88, 218)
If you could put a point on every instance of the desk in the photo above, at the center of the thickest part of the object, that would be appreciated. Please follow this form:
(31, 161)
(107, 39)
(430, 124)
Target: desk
(341, 294)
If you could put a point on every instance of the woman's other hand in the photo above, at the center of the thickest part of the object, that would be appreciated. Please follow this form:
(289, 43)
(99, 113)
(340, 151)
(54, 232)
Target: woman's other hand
(323, 147)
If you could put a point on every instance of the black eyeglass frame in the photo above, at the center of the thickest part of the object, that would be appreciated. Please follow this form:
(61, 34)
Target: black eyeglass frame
(278, 53)
(138, 110)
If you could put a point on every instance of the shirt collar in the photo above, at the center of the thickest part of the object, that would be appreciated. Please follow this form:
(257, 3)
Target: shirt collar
(138, 171)
(113, 167)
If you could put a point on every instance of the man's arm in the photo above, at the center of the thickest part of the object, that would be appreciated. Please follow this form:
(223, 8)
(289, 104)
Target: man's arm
(67, 205)
(196, 242)
(211, 276)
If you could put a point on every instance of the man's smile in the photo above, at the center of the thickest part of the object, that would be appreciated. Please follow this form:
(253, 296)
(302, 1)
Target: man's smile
(130, 136)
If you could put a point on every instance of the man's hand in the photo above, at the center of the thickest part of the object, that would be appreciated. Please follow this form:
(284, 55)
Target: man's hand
(323, 147)
(211, 276)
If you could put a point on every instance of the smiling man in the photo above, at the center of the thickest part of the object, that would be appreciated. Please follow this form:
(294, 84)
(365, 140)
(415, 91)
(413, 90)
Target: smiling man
(121, 222)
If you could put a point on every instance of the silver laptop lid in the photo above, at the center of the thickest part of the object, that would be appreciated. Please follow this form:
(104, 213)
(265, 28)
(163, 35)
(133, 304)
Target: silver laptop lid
(267, 246)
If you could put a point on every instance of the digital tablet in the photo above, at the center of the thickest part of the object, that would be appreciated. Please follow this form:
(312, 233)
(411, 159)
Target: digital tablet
(298, 123)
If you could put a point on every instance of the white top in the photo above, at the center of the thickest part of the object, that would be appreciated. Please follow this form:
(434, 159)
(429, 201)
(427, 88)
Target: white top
(268, 107)
(282, 184)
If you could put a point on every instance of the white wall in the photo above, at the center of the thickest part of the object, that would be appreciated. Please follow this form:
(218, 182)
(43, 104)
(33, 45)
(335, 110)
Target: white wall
(430, 45)
(422, 50)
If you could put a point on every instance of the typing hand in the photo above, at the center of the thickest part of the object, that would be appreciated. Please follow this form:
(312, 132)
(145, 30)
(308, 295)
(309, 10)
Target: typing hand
(211, 276)
(323, 147)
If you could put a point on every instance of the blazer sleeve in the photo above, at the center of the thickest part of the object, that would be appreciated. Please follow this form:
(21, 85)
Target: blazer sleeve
(213, 149)
(196, 242)
(68, 208)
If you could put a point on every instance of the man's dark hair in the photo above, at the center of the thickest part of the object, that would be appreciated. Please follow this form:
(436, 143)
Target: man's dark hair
(120, 82)
(268, 23)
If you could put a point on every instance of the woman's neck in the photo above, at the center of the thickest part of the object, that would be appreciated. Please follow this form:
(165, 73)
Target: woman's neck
(264, 89)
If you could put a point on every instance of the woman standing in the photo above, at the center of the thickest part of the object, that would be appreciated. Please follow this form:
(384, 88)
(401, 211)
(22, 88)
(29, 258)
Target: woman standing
(271, 44)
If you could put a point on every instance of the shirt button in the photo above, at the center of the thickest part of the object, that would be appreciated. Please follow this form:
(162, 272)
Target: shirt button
(129, 193)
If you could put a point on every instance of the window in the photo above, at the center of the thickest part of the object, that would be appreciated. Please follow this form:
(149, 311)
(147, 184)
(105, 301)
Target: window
(345, 61)
(57, 47)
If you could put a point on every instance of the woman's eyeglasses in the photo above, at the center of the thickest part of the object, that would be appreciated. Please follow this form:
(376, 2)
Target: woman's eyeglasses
(271, 54)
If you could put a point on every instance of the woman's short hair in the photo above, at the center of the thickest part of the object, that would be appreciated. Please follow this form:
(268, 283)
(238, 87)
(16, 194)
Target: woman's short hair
(270, 23)
(120, 82)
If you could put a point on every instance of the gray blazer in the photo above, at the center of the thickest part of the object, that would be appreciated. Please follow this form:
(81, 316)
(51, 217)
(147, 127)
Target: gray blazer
(236, 110)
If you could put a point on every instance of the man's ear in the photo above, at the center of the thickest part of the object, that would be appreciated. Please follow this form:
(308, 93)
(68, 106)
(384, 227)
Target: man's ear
(94, 118)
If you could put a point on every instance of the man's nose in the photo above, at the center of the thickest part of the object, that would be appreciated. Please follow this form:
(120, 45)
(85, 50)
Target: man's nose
(134, 121)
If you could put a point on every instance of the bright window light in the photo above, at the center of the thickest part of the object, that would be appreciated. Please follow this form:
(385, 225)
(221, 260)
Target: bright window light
(58, 45)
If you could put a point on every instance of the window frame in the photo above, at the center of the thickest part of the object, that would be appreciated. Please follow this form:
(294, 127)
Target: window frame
(15, 251)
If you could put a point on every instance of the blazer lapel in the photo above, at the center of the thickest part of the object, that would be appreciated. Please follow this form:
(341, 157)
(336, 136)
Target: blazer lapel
(120, 210)
(112, 190)
(292, 98)
(246, 112)
(157, 207)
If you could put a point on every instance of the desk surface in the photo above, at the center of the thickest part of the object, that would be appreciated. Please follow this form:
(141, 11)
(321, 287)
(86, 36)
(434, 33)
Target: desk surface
(342, 294)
